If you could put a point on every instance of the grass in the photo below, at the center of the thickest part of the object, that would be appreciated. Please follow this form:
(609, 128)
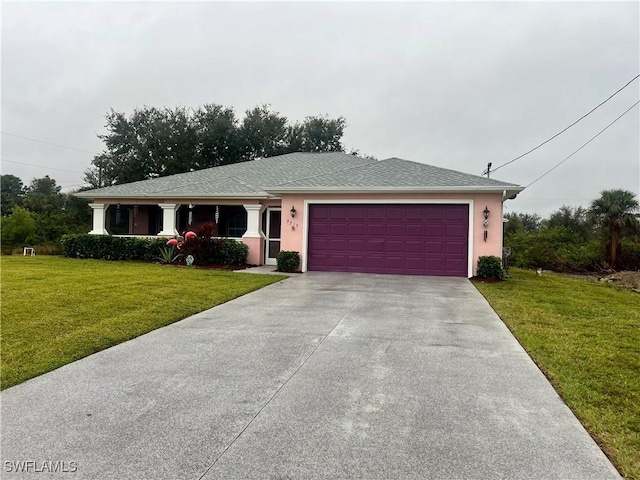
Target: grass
(585, 337)
(56, 310)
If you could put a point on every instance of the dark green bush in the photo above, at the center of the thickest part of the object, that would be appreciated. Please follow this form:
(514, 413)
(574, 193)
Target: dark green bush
(490, 267)
(107, 247)
(215, 251)
(629, 256)
(288, 261)
(555, 248)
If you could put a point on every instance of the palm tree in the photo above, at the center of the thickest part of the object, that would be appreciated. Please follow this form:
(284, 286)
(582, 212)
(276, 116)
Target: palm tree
(615, 210)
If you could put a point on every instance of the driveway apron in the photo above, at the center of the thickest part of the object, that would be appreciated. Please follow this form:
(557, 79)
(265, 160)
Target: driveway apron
(323, 375)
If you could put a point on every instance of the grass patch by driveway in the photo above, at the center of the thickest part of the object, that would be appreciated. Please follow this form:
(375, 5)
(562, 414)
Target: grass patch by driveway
(56, 310)
(585, 337)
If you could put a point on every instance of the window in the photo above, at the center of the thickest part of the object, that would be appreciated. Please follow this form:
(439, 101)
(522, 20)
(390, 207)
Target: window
(237, 224)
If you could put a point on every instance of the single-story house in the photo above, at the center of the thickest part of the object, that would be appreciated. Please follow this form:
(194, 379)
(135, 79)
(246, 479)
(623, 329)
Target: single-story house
(340, 212)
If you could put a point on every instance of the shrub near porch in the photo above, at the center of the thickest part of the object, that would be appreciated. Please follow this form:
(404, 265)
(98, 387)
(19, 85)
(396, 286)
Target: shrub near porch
(57, 310)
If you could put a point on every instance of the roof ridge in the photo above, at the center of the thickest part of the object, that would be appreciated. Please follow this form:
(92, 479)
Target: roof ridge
(227, 177)
(457, 172)
(332, 172)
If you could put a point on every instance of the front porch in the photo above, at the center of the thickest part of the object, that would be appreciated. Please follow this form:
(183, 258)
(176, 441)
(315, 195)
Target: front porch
(257, 225)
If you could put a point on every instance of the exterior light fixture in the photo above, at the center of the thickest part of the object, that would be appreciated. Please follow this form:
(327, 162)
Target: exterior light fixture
(293, 211)
(485, 213)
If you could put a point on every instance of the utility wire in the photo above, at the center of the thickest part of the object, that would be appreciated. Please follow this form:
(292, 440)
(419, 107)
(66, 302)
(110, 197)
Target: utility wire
(567, 128)
(583, 145)
(39, 166)
(48, 143)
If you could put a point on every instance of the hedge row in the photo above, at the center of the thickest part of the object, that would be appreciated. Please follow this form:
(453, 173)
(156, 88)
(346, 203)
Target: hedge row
(215, 251)
(107, 247)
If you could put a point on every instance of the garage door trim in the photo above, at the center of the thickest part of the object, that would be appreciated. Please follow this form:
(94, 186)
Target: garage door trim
(364, 201)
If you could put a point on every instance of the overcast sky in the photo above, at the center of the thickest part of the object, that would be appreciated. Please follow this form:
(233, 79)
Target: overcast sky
(454, 85)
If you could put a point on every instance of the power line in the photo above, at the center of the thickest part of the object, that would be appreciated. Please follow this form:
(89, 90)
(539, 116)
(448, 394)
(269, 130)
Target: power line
(567, 128)
(48, 143)
(583, 145)
(40, 166)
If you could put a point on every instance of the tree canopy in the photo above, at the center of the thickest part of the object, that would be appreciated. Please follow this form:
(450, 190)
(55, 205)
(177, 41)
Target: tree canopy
(155, 142)
(12, 192)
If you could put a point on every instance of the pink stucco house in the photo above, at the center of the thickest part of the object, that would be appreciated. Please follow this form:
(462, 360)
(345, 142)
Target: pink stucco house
(340, 212)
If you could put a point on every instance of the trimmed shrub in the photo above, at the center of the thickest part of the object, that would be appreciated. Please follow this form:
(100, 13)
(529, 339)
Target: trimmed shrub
(215, 251)
(288, 261)
(490, 267)
(107, 247)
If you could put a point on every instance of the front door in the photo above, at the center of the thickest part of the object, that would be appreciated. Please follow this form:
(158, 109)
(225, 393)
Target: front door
(272, 232)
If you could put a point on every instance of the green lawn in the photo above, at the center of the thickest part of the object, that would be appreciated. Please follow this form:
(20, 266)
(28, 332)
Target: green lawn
(56, 310)
(585, 337)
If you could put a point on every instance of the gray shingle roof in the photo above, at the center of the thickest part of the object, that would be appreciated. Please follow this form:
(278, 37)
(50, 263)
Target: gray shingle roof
(393, 173)
(301, 172)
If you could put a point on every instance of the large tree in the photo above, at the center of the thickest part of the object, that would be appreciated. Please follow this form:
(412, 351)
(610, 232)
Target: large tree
(614, 211)
(574, 219)
(43, 195)
(156, 142)
(12, 193)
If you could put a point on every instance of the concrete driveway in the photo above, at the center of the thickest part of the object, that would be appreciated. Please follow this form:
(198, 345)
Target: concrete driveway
(330, 376)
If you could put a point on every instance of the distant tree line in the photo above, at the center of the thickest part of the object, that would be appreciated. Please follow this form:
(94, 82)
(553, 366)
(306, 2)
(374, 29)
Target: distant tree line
(604, 236)
(39, 214)
(155, 142)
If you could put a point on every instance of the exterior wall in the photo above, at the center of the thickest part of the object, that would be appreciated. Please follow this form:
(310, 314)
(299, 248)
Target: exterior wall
(293, 229)
(256, 249)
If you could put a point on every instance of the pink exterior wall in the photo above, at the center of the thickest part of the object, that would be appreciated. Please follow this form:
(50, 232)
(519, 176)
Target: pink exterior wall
(256, 249)
(294, 238)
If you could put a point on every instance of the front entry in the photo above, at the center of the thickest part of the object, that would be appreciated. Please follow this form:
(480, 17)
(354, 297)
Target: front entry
(272, 232)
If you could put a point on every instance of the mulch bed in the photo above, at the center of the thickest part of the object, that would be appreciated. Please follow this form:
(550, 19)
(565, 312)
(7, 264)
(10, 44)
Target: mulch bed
(206, 267)
(485, 280)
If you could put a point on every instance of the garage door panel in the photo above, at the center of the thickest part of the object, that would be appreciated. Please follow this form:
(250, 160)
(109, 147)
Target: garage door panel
(375, 229)
(459, 248)
(394, 246)
(375, 213)
(338, 229)
(455, 231)
(375, 245)
(414, 230)
(434, 231)
(357, 229)
(375, 262)
(434, 247)
(338, 245)
(413, 246)
(394, 230)
(426, 239)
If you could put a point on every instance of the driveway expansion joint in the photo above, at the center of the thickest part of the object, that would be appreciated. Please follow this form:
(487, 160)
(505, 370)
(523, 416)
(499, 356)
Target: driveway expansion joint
(302, 364)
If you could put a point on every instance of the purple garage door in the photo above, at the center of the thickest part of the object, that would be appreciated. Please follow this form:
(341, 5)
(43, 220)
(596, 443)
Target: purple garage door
(402, 239)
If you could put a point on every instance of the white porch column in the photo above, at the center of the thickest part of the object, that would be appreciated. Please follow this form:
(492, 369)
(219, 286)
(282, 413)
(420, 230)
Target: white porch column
(253, 237)
(98, 218)
(254, 221)
(168, 219)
